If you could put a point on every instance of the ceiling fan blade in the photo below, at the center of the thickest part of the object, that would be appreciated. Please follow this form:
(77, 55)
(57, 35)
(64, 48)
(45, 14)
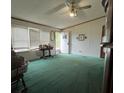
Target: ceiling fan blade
(84, 7)
(75, 1)
(56, 9)
(69, 2)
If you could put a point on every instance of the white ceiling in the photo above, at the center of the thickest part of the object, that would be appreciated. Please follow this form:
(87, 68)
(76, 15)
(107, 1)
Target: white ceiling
(38, 11)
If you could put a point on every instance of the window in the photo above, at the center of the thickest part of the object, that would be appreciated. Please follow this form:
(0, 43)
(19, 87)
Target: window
(27, 38)
(34, 38)
(20, 39)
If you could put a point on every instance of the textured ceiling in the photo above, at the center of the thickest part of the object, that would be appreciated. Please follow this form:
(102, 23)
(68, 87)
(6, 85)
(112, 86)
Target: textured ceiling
(42, 11)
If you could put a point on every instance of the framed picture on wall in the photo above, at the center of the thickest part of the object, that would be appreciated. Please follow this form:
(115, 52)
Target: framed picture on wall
(81, 37)
(52, 35)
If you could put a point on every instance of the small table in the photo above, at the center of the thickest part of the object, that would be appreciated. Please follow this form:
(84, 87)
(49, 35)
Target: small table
(44, 49)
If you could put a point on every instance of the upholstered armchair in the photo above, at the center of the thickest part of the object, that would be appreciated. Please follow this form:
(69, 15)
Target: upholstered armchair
(18, 67)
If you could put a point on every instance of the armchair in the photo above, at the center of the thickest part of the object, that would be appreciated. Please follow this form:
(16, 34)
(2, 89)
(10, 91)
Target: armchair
(18, 67)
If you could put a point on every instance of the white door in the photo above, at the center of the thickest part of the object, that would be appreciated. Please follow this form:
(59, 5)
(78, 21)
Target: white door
(65, 42)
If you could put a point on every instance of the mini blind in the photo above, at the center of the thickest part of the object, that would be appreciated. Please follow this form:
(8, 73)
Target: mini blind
(20, 38)
(34, 38)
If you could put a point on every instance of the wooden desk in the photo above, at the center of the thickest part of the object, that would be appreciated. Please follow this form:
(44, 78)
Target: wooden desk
(44, 49)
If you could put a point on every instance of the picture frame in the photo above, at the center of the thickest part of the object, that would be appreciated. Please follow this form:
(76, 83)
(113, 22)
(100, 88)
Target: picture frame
(81, 37)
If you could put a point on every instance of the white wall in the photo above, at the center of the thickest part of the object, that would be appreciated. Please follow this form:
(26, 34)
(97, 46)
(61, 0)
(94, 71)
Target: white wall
(44, 38)
(91, 45)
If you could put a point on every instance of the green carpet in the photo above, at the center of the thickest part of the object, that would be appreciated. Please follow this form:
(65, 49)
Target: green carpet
(65, 74)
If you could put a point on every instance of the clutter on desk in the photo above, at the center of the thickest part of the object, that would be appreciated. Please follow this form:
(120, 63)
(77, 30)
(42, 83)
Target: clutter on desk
(45, 46)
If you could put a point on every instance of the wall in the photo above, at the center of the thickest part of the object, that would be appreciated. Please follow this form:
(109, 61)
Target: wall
(91, 45)
(45, 38)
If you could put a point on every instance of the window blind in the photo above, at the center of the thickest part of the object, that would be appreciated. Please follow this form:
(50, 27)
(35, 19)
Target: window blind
(20, 38)
(34, 38)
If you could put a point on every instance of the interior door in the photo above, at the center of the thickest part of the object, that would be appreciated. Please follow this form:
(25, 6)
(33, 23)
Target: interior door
(65, 42)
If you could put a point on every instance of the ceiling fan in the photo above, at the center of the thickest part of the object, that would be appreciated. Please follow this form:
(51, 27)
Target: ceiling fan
(73, 7)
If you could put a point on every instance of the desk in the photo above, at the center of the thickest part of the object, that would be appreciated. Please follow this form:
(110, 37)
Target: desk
(44, 49)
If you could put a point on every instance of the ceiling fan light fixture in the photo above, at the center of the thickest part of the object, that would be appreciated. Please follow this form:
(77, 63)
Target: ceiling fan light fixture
(73, 14)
